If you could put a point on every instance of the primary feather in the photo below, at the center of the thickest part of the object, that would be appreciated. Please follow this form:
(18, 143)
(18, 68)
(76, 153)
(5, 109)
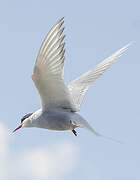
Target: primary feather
(79, 86)
(48, 71)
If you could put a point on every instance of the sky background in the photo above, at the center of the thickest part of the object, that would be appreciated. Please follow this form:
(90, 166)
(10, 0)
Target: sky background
(95, 29)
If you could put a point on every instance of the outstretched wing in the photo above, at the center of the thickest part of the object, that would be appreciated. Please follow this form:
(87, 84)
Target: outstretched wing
(48, 70)
(79, 86)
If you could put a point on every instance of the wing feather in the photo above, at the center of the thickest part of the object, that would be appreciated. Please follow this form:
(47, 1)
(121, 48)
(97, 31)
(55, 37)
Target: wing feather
(48, 71)
(79, 86)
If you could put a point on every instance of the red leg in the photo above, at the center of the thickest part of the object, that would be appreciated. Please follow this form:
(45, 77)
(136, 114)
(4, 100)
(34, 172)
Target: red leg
(74, 132)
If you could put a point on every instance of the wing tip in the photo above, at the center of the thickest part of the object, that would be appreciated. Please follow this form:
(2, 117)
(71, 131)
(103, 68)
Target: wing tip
(122, 50)
(61, 19)
(60, 22)
(129, 44)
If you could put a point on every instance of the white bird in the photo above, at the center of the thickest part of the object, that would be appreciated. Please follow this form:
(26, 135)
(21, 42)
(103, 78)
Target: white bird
(60, 102)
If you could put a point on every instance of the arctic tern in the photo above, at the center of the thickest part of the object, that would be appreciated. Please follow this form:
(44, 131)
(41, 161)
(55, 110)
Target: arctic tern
(61, 102)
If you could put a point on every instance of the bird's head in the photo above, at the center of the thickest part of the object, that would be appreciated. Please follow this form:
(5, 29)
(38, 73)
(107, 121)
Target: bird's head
(25, 122)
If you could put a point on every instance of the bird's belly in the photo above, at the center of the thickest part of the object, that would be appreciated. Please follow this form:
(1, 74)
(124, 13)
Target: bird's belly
(59, 125)
(55, 122)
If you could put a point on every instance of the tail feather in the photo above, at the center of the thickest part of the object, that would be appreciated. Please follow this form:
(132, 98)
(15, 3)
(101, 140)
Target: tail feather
(82, 123)
(88, 127)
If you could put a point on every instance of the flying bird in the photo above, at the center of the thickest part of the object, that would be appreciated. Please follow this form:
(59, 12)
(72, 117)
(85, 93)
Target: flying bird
(61, 102)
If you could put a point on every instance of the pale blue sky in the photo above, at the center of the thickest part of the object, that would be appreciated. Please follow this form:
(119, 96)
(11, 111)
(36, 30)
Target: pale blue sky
(95, 29)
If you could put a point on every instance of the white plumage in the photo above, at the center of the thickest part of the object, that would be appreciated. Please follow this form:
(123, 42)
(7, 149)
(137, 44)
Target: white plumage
(59, 101)
(48, 71)
(79, 86)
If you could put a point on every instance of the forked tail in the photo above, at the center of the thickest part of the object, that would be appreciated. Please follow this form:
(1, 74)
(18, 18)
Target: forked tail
(82, 123)
(88, 127)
